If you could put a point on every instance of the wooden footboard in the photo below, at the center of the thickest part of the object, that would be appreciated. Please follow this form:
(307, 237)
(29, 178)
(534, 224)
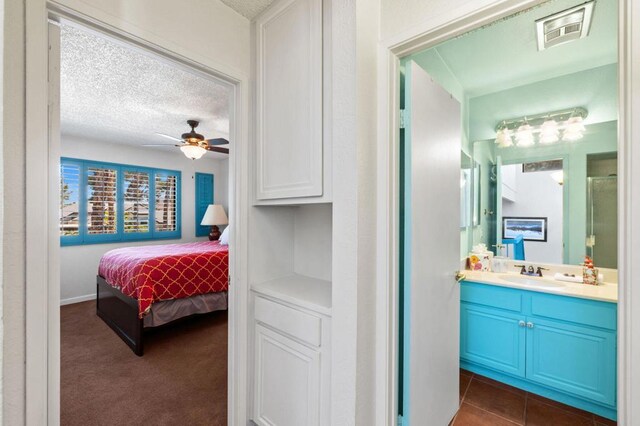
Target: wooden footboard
(120, 312)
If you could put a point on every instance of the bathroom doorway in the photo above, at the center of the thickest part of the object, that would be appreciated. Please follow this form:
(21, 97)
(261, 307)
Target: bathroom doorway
(540, 103)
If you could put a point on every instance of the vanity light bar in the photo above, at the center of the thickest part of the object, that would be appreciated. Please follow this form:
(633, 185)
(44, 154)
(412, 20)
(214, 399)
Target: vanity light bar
(547, 126)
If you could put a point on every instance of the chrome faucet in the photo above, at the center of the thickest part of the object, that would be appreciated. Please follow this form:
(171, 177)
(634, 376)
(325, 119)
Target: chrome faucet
(530, 270)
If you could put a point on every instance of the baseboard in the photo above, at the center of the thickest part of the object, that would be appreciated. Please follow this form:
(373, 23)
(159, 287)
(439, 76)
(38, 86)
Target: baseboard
(78, 299)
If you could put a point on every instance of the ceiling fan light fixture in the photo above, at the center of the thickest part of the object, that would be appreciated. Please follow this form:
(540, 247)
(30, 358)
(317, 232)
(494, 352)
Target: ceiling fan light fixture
(193, 152)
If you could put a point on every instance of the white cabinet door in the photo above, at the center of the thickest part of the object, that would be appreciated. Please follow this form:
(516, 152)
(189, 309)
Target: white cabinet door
(289, 101)
(287, 387)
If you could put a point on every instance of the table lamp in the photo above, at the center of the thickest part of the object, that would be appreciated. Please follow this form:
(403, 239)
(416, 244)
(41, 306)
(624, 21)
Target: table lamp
(213, 217)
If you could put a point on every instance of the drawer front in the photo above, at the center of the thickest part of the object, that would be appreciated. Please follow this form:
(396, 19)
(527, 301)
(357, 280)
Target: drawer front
(571, 309)
(488, 295)
(301, 325)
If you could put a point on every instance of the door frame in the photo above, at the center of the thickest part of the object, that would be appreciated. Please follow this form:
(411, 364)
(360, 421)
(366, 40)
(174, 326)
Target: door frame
(42, 399)
(435, 30)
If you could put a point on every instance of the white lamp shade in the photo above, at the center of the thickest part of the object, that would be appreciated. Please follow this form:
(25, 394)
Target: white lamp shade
(193, 152)
(214, 215)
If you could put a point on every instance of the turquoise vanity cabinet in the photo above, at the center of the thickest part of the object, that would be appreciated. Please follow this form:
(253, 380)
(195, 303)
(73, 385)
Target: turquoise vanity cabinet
(560, 347)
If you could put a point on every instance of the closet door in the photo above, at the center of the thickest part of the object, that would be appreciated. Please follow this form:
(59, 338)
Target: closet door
(431, 252)
(289, 100)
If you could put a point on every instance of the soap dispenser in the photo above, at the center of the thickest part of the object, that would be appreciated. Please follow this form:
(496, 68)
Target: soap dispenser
(500, 261)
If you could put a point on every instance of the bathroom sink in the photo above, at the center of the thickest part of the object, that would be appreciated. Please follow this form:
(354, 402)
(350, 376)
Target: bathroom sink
(537, 282)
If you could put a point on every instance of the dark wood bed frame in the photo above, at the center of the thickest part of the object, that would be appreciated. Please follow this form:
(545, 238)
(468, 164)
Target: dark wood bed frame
(120, 312)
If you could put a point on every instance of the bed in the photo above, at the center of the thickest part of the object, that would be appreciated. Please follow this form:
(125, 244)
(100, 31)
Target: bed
(149, 286)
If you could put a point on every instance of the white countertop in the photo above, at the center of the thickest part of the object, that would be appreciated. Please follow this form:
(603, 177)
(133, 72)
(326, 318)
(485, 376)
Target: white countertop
(606, 292)
(307, 292)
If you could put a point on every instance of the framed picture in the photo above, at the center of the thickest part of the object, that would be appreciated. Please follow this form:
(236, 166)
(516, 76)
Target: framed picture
(542, 166)
(531, 228)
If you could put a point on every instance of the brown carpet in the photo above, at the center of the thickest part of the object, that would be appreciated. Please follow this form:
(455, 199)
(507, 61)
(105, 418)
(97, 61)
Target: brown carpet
(180, 380)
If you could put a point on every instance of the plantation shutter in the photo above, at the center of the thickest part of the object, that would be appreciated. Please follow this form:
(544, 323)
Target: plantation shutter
(136, 202)
(166, 203)
(102, 205)
(70, 181)
(204, 197)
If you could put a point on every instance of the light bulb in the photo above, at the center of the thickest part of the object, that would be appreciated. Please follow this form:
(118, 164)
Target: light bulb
(503, 138)
(549, 132)
(193, 152)
(573, 129)
(524, 136)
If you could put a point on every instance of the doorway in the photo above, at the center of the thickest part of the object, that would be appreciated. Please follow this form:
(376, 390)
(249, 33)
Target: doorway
(495, 104)
(43, 342)
(127, 194)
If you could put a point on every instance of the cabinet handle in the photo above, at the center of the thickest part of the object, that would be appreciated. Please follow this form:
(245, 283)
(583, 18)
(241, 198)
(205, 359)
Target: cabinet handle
(529, 325)
(521, 323)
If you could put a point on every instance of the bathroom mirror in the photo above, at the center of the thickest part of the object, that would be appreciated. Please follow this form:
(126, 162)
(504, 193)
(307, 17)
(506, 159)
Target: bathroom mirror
(561, 197)
(532, 205)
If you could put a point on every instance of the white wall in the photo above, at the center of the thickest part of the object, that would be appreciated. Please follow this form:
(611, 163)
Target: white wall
(13, 214)
(312, 241)
(538, 195)
(403, 17)
(1, 180)
(206, 31)
(79, 264)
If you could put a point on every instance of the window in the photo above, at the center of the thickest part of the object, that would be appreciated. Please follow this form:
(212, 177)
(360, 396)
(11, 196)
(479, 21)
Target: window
(204, 197)
(166, 201)
(106, 202)
(136, 201)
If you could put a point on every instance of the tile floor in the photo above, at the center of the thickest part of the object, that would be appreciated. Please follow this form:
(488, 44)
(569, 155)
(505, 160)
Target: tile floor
(485, 402)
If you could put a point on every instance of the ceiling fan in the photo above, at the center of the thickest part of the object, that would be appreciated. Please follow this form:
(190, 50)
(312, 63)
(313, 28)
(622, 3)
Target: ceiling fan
(194, 145)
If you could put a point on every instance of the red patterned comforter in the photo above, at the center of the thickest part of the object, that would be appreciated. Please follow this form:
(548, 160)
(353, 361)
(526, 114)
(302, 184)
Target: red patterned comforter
(164, 272)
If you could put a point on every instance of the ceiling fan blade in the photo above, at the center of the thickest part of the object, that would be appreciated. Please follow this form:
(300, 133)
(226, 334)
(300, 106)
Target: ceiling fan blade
(217, 141)
(164, 144)
(218, 149)
(168, 137)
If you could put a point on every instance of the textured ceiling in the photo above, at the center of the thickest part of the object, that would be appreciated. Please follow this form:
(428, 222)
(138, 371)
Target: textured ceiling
(248, 8)
(115, 93)
(504, 54)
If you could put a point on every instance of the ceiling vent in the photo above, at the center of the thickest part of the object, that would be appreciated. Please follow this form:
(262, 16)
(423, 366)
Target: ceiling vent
(562, 27)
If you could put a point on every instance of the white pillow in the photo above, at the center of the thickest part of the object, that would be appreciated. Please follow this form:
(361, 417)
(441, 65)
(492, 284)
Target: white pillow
(224, 238)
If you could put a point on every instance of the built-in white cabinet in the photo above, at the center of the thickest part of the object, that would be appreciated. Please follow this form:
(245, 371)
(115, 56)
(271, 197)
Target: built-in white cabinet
(291, 354)
(292, 152)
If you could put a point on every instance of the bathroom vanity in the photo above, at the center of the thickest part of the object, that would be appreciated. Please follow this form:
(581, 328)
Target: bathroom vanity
(554, 339)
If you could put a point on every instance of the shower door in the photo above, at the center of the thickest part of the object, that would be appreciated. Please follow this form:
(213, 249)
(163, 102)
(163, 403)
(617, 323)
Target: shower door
(602, 220)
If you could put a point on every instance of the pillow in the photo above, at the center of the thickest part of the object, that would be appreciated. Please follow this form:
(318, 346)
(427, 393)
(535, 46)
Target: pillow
(224, 238)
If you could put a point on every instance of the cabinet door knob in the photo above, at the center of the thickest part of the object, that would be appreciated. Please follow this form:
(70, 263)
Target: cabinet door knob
(521, 323)
(530, 325)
